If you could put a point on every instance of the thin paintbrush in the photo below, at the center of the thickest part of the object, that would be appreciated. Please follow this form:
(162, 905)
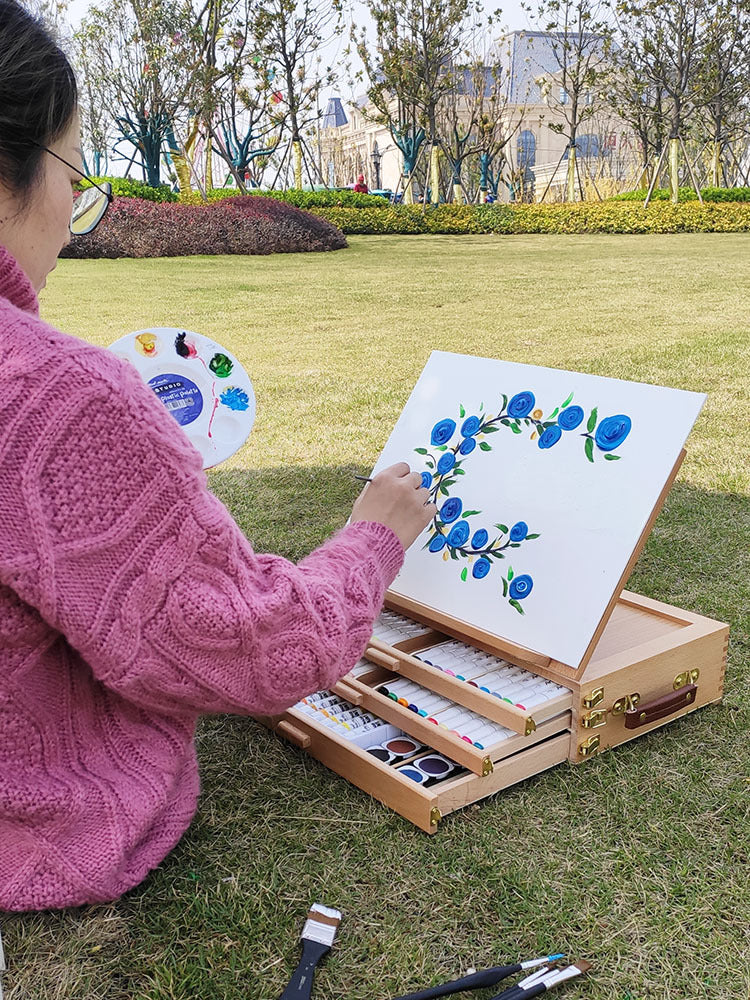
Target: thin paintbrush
(535, 985)
(317, 937)
(477, 980)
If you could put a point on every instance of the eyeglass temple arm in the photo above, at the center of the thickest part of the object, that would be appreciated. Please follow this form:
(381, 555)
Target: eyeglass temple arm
(107, 194)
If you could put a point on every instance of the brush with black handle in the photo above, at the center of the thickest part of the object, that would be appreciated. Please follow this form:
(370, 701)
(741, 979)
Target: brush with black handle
(317, 937)
(538, 983)
(477, 980)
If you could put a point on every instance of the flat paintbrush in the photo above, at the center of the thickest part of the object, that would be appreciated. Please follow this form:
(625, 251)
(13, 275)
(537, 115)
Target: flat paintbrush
(317, 937)
(477, 980)
(534, 985)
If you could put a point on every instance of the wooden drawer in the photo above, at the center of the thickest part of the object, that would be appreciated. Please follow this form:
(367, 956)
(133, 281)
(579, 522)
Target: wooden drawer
(423, 806)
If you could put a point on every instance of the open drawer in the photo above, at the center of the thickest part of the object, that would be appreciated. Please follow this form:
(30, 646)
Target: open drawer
(423, 804)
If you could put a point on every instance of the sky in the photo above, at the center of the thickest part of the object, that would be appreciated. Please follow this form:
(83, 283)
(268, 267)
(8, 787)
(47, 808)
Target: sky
(332, 54)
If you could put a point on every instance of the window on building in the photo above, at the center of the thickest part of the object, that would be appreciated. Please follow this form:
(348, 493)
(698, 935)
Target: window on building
(526, 149)
(563, 96)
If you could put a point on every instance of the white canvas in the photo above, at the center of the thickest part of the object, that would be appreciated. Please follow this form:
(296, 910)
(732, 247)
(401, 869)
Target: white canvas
(547, 593)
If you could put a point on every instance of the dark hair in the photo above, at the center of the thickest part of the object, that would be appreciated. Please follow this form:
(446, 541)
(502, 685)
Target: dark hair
(38, 95)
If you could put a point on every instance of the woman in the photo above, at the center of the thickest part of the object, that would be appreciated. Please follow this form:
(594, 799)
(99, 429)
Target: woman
(130, 602)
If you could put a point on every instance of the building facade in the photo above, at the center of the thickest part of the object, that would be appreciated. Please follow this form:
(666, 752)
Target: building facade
(536, 152)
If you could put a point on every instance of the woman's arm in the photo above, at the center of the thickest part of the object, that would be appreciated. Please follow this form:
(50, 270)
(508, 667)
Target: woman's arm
(148, 577)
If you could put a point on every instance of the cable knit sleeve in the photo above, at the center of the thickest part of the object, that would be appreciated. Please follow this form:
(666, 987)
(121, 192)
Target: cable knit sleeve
(148, 577)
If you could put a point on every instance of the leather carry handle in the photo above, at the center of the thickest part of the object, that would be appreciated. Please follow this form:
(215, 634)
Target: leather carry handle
(660, 707)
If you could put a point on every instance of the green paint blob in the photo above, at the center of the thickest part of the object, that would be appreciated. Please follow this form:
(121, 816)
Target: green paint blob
(221, 365)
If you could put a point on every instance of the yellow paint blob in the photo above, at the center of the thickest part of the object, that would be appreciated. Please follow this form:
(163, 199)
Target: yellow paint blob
(145, 343)
(537, 414)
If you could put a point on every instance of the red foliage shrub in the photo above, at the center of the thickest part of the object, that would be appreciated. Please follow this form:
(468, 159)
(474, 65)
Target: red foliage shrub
(136, 228)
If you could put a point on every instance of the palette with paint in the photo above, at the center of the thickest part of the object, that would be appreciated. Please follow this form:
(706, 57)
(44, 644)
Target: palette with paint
(203, 385)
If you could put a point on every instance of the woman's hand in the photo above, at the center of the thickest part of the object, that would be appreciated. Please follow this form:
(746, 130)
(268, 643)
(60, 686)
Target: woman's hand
(396, 498)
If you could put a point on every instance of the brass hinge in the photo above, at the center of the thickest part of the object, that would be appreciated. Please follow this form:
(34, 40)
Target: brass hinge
(530, 727)
(589, 747)
(592, 720)
(487, 766)
(435, 816)
(626, 704)
(688, 677)
(592, 699)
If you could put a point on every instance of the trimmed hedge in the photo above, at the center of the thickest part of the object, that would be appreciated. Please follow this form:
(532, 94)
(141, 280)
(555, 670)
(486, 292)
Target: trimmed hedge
(687, 194)
(123, 187)
(136, 228)
(580, 218)
(302, 199)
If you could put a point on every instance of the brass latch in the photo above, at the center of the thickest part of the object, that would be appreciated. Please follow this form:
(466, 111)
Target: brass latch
(589, 747)
(688, 677)
(594, 719)
(626, 704)
(592, 699)
(487, 766)
(435, 816)
(530, 727)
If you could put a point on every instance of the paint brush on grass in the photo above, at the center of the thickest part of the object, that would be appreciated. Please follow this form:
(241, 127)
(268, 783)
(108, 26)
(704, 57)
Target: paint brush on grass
(539, 983)
(478, 980)
(317, 937)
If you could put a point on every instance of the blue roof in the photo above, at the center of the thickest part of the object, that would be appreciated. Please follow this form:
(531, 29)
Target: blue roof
(335, 115)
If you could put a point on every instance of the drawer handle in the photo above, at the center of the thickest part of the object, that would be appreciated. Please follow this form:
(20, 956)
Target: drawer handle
(350, 694)
(382, 659)
(294, 735)
(661, 707)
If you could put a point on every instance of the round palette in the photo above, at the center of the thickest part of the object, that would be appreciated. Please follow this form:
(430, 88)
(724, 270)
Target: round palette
(203, 386)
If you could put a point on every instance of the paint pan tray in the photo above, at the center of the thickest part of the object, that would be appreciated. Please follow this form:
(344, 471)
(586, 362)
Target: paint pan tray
(203, 386)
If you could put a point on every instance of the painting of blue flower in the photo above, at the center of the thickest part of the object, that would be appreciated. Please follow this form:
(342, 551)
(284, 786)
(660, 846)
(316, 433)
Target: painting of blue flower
(451, 529)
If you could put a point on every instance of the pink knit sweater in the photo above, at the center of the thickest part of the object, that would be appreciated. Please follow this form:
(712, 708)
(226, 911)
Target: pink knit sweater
(130, 602)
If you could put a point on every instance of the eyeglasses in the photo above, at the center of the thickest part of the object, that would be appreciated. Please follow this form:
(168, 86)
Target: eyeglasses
(90, 206)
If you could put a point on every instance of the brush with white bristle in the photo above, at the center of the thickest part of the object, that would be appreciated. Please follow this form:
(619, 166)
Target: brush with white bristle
(317, 937)
(540, 982)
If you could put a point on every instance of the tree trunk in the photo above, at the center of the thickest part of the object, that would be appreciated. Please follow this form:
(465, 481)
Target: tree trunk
(209, 163)
(408, 189)
(434, 174)
(570, 184)
(297, 153)
(458, 194)
(716, 164)
(674, 162)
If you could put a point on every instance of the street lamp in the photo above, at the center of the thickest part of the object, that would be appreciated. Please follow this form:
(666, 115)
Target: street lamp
(376, 156)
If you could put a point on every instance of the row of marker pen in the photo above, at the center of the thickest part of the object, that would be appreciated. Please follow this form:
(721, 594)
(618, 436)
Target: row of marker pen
(443, 712)
(489, 673)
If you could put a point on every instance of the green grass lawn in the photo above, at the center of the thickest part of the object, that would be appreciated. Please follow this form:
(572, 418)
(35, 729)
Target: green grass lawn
(638, 860)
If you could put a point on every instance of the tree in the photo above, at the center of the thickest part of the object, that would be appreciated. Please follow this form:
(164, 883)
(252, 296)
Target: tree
(580, 36)
(139, 67)
(412, 68)
(635, 98)
(672, 54)
(288, 34)
(725, 80)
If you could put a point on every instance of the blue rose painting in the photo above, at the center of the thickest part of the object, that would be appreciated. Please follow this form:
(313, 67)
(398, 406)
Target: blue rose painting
(453, 531)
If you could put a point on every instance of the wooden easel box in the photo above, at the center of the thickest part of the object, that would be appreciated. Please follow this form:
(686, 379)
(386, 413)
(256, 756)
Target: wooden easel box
(648, 663)
(648, 649)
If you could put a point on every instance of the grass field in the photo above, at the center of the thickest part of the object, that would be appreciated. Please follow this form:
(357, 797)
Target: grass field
(639, 860)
